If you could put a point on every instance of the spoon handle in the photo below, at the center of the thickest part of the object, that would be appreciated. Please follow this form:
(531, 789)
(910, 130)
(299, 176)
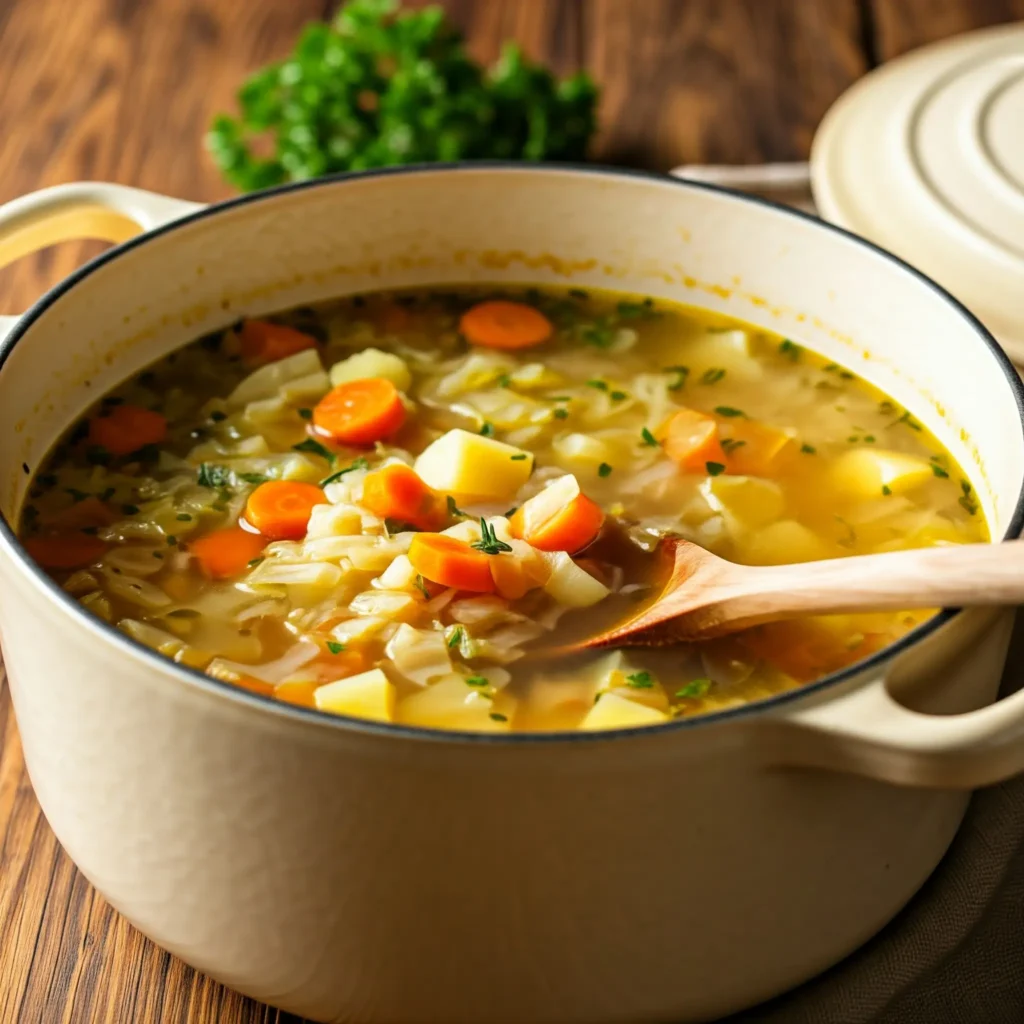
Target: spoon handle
(943, 577)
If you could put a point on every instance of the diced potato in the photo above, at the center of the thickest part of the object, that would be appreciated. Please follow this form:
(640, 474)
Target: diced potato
(722, 350)
(747, 502)
(399, 575)
(367, 695)
(334, 521)
(391, 604)
(865, 471)
(450, 703)
(583, 450)
(615, 712)
(372, 362)
(355, 630)
(570, 585)
(782, 542)
(472, 466)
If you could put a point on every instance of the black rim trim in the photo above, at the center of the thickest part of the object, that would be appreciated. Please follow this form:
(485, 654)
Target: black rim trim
(345, 723)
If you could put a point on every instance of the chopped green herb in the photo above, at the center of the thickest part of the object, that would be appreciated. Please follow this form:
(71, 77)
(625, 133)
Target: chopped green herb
(453, 509)
(851, 535)
(730, 444)
(579, 293)
(76, 494)
(808, 449)
(306, 414)
(183, 517)
(107, 494)
(600, 385)
(712, 376)
(504, 381)
(130, 510)
(158, 554)
(909, 420)
(476, 680)
(694, 689)
(618, 396)
(314, 447)
(790, 350)
(498, 717)
(172, 541)
(518, 458)
(561, 414)
(714, 468)
(599, 333)
(510, 512)
(252, 478)
(421, 585)
(561, 398)
(631, 310)
(640, 681)
(852, 439)
(967, 500)
(939, 471)
(360, 463)
(604, 469)
(334, 647)
(886, 407)
(148, 453)
(869, 438)
(845, 375)
(253, 562)
(681, 372)
(489, 543)
(211, 475)
(217, 416)
(456, 638)
(487, 430)
(886, 490)
(729, 411)
(648, 438)
(830, 367)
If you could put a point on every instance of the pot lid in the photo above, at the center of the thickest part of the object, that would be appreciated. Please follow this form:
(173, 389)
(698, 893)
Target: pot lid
(925, 156)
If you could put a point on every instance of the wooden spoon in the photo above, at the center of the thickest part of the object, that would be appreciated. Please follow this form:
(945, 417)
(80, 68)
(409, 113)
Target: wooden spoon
(707, 596)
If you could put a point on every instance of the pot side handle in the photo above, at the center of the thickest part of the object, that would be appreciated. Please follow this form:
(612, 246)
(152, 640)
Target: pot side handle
(867, 732)
(84, 209)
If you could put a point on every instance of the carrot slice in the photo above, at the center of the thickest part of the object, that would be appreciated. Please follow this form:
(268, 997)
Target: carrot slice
(451, 562)
(127, 428)
(505, 325)
(571, 528)
(691, 439)
(280, 509)
(397, 492)
(225, 554)
(65, 551)
(360, 412)
(264, 342)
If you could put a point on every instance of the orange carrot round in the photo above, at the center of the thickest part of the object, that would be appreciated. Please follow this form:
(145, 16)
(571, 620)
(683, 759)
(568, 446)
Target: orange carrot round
(571, 528)
(691, 439)
(451, 562)
(65, 551)
(280, 509)
(505, 325)
(360, 412)
(225, 554)
(127, 428)
(397, 492)
(264, 342)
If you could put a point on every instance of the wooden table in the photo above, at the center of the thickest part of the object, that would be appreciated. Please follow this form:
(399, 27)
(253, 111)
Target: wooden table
(123, 90)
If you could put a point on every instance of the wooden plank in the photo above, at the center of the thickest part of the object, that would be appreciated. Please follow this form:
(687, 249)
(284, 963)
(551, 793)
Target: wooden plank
(901, 25)
(689, 81)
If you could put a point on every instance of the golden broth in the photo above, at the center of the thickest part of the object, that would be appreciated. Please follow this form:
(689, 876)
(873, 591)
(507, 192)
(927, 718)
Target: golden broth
(806, 461)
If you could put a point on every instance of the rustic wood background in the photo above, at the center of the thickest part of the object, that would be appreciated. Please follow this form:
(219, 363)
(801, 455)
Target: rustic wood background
(123, 90)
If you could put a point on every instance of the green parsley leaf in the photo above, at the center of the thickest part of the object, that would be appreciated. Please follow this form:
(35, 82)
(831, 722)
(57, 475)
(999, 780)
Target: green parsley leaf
(909, 420)
(730, 444)
(714, 468)
(504, 381)
(728, 411)
(252, 478)
(183, 517)
(939, 471)
(600, 385)
(648, 438)
(334, 647)
(476, 680)
(604, 469)
(130, 510)
(509, 513)
(217, 416)
(712, 376)
(489, 543)
(640, 681)
(487, 430)
(518, 458)
(253, 562)
(618, 396)
(360, 463)
(306, 414)
(453, 509)
(498, 717)
(694, 689)
(76, 494)
(314, 447)
(808, 449)
(790, 350)
(456, 638)
(886, 490)
(561, 414)
(421, 585)
(681, 372)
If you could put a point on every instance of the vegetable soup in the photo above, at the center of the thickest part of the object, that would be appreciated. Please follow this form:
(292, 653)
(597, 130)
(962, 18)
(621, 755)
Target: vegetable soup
(391, 505)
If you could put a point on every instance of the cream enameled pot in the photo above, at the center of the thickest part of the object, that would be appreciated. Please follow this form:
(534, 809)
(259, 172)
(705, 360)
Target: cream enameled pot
(358, 872)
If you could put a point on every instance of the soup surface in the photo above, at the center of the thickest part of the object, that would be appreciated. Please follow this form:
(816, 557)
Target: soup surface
(388, 506)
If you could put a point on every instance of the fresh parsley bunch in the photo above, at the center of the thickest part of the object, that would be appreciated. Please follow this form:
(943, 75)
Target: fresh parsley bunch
(380, 87)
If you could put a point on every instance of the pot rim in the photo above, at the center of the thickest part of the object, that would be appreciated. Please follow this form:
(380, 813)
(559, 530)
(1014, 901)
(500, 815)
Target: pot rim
(345, 723)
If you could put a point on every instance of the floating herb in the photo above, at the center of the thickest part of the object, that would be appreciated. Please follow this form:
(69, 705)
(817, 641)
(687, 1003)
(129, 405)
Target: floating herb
(360, 463)
(618, 396)
(909, 421)
(456, 638)
(504, 381)
(730, 444)
(694, 689)
(252, 478)
(217, 416)
(488, 542)
(421, 585)
(487, 430)
(497, 716)
(729, 412)
(808, 449)
(648, 438)
(790, 350)
(518, 458)
(712, 376)
(886, 490)
(600, 385)
(130, 510)
(579, 293)
(211, 475)
(714, 468)
(561, 414)
(453, 509)
(967, 500)
(76, 494)
(253, 562)
(604, 469)
(640, 681)
(306, 414)
(476, 680)
(314, 447)
(939, 471)
(334, 647)
(681, 372)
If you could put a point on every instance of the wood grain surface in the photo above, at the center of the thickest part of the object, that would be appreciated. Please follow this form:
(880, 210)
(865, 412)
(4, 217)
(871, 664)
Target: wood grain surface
(123, 90)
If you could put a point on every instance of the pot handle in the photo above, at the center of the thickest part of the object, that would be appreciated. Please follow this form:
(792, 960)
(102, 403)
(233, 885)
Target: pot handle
(867, 732)
(84, 209)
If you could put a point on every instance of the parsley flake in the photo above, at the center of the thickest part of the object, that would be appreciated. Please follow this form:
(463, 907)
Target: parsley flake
(488, 542)
(648, 438)
(334, 647)
(314, 447)
(714, 468)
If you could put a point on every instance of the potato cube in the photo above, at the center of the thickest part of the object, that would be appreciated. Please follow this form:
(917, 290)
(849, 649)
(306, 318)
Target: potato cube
(615, 712)
(367, 695)
(473, 466)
